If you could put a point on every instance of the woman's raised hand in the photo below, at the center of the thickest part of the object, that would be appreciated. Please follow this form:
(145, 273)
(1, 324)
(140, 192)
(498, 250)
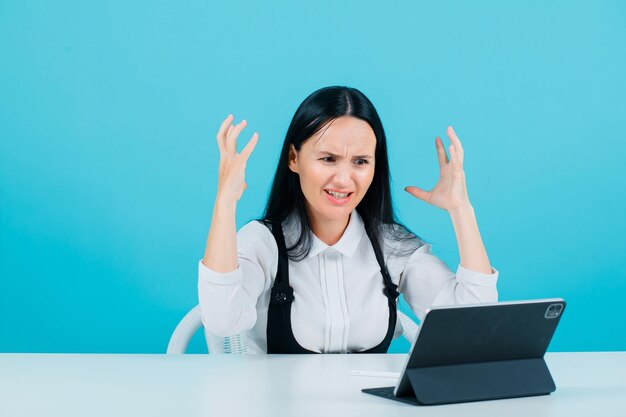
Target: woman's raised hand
(231, 182)
(450, 192)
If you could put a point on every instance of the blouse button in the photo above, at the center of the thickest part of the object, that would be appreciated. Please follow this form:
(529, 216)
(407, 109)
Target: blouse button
(281, 296)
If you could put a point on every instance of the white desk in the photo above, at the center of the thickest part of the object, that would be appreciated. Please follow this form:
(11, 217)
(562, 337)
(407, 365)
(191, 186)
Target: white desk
(588, 384)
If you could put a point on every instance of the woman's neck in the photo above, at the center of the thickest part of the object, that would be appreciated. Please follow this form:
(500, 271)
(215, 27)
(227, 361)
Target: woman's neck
(328, 231)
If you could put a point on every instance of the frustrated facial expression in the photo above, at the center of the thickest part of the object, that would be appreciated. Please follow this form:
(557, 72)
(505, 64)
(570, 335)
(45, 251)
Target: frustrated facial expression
(336, 168)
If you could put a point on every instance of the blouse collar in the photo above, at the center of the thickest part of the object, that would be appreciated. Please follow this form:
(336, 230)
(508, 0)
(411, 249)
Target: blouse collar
(348, 242)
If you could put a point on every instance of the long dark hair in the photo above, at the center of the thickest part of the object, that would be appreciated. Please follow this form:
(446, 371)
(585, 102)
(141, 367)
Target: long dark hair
(286, 197)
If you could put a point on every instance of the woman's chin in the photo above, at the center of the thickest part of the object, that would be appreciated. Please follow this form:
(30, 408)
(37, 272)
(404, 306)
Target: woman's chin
(336, 213)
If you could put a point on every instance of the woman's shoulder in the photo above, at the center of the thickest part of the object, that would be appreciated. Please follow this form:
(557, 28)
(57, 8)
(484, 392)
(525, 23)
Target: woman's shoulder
(256, 235)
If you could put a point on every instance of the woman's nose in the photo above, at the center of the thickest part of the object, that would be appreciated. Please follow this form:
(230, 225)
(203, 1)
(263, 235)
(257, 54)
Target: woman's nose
(342, 174)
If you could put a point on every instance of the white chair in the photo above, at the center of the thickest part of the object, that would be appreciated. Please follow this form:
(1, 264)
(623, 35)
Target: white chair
(188, 327)
(236, 344)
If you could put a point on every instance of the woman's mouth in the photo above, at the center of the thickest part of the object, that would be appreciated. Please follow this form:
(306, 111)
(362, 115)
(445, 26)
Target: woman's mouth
(337, 197)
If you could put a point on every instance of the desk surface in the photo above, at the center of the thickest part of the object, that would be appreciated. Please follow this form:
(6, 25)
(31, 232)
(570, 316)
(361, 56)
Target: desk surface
(276, 385)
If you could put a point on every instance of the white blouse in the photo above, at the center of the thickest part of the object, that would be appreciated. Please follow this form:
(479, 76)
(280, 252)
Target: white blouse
(339, 305)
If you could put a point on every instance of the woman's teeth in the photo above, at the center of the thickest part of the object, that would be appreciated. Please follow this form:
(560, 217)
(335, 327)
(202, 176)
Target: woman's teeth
(337, 195)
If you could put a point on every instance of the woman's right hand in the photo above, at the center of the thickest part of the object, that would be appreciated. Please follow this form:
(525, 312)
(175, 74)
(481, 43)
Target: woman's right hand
(231, 182)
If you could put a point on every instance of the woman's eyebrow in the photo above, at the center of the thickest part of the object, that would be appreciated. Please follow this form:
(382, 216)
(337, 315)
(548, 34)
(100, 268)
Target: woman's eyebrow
(340, 156)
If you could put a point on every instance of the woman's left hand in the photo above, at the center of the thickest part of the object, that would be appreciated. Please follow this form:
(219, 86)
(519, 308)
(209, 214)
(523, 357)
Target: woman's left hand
(450, 192)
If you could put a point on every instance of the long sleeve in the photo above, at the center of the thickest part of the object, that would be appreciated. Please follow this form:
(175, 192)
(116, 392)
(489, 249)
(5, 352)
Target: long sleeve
(426, 281)
(228, 301)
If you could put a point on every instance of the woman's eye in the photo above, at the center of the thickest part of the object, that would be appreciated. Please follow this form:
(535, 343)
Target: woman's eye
(356, 161)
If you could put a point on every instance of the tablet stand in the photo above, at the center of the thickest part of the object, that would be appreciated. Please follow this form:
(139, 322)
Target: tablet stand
(480, 381)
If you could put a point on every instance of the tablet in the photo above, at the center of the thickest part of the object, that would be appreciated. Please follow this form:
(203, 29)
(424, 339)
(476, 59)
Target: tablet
(479, 352)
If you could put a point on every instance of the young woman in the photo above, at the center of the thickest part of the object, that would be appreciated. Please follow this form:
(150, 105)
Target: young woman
(322, 270)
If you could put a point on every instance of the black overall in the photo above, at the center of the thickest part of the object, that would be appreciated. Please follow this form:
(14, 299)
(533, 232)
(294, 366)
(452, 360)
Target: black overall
(280, 338)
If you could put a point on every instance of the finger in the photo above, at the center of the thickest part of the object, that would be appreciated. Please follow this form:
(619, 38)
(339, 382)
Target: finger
(441, 152)
(247, 150)
(418, 192)
(457, 166)
(221, 133)
(225, 123)
(457, 143)
(231, 138)
(230, 129)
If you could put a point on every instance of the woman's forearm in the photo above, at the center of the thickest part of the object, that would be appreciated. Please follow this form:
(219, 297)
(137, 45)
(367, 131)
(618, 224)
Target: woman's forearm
(220, 254)
(471, 248)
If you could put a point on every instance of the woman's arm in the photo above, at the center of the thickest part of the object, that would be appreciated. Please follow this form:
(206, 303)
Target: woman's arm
(450, 194)
(220, 254)
(471, 248)
(228, 301)
(426, 281)
(227, 304)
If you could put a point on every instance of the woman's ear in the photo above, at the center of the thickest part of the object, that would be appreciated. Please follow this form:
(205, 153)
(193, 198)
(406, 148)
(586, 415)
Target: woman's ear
(293, 159)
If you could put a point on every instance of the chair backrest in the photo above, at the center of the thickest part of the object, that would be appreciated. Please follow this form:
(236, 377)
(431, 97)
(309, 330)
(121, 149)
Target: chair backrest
(236, 344)
(190, 324)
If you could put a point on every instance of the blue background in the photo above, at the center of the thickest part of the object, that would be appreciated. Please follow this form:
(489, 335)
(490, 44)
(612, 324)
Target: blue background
(108, 160)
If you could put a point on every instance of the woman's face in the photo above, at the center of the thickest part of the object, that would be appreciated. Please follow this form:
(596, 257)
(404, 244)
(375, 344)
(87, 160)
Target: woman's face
(336, 168)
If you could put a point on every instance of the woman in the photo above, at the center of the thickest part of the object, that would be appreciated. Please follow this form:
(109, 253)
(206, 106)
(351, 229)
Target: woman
(321, 272)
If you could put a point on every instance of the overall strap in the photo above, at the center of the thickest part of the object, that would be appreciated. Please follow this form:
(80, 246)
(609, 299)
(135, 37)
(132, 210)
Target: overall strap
(281, 291)
(391, 292)
(391, 289)
(280, 338)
